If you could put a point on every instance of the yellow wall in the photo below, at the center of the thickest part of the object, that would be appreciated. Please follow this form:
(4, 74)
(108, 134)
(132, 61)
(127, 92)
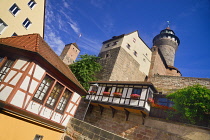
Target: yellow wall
(15, 129)
(35, 15)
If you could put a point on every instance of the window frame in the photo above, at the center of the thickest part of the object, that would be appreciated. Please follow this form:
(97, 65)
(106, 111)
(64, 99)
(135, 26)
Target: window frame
(2, 23)
(32, 4)
(3, 63)
(60, 101)
(14, 10)
(27, 23)
(41, 101)
(136, 92)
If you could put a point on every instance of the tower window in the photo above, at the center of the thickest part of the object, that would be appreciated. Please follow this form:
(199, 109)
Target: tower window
(134, 40)
(128, 46)
(135, 53)
(115, 43)
(14, 9)
(26, 23)
(108, 45)
(31, 3)
(3, 25)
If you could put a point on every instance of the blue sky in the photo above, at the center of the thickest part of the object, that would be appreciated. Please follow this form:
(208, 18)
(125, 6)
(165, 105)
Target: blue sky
(99, 20)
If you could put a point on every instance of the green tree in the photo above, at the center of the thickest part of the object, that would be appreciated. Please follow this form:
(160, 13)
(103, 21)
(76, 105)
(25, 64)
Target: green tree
(85, 69)
(193, 102)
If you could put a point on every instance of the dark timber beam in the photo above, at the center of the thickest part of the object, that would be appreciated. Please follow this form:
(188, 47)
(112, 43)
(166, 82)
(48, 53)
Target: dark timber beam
(143, 117)
(101, 109)
(127, 114)
(113, 111)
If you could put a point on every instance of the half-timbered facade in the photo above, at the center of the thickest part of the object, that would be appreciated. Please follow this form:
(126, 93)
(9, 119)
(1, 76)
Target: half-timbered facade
(129, 96)
(38, 92)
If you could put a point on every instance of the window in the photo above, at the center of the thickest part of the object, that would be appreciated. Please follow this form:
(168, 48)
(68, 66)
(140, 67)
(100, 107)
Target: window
(43, 89)
(107, 45)
(134, 40)
(107, 89)
(119, 89)
(165, 102)
(63, 101)
(115, 43)
(53, 98)
(128, 46)
(14, 34)
(136, 91)
(5, 68)
(14, 9)
(135, 53)
(3, 25)
(26, 23)
(31, 3)
(38, 137)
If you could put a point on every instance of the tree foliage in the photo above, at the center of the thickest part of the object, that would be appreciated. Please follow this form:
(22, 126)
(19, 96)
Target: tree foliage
(85, 69)
(193, 102)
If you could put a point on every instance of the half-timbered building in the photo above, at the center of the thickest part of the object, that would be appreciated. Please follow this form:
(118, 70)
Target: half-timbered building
(38, 92)
(128, 96)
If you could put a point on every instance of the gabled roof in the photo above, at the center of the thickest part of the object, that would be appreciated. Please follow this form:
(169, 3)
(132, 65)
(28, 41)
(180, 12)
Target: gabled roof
(35, 43)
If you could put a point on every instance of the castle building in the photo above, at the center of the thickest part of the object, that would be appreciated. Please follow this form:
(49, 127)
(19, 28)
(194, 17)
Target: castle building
(38, 92)
(70, 53)
(19, 17)
(125, 58)
(128, 58)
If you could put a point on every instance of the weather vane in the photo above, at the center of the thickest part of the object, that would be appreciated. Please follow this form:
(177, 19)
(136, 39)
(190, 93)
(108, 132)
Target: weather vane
(168, 23)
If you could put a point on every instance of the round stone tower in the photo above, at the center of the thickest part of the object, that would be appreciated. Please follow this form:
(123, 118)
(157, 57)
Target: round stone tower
(168, 43)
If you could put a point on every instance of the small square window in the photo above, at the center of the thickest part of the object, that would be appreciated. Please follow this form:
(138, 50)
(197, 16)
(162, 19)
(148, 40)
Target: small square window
(115, 43)
(14, 9)
(108, 45)
(3, 25)
(38, 137)
(31, 3)
(26, 23)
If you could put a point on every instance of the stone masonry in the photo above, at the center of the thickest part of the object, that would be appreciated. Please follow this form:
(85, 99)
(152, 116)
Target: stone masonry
(168, 84)
(125, 67)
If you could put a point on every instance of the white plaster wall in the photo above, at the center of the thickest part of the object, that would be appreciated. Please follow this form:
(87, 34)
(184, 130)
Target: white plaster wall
(34, 107)
(20, 63)
(18, 98)
(16, 79)
(46, 112)
(10, 75)
(56, 117)
(143, 93)
(33, 86)
(4, 94)
(25, 83)
(66, 120)
(69, 107)
(73, 110)
(39, 72)
(75, 97)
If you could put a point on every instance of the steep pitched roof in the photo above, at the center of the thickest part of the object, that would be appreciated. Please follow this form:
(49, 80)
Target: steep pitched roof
(35, 43)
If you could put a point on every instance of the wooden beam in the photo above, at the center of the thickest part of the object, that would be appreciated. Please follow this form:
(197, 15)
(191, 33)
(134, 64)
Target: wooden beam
(127, 114)
(113, 111)
(101, 109)
(143, 117)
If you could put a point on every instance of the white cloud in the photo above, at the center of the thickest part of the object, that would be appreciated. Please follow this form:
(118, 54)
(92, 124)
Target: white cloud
(54, 41)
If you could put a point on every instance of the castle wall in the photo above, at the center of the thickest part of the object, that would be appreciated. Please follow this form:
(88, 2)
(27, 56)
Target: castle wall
(134, 129)
(168, 84)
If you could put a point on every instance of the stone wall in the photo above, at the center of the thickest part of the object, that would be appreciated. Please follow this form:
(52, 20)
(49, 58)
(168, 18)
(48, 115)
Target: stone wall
(118, 65)
(168, 84)
(80, 130)
(153, 128)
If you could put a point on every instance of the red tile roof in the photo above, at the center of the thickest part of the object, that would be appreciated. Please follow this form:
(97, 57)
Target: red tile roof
(35, 43)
